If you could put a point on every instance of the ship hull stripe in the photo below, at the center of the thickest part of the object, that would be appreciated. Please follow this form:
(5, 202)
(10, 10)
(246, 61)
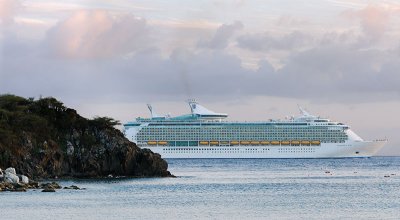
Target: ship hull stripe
(325, 150)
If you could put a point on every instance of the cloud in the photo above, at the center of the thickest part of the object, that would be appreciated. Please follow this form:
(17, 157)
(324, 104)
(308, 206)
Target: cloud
(267, 41)
(134, 70)
(221, 36)
(291, 21)
(97, 34)
(329, 73)
(341, 74)
(8, 9)
(344, 38)
(374, 20)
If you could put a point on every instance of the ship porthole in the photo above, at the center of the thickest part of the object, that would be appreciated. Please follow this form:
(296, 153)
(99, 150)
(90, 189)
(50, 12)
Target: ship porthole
(357, 152)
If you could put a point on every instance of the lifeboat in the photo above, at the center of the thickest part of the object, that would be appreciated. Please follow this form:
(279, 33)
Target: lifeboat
(214, 142)
(224, 142)
(305, 142)
(264, 142)
(296, 143)
(245, 142)
(315, 142)
(203, 142)
(255, 142)
(234, 142)
(152, 142)
(274, 142)
(285, 142)
(162, 143)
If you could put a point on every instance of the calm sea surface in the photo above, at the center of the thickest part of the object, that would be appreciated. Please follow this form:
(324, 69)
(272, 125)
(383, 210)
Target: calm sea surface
(228, 189)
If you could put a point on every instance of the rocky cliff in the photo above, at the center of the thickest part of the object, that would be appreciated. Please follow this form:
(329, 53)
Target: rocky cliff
(44, 139)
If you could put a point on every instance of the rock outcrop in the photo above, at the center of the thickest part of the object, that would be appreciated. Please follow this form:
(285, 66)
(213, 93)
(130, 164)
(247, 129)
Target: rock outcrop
(23, 184)
(44, 139)
(10, 176)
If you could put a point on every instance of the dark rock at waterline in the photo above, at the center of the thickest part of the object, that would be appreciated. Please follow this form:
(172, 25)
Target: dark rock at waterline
(48, 190)
(34, 184)
(22, 187)
(52, 185)
(44, 139)
(72, 187)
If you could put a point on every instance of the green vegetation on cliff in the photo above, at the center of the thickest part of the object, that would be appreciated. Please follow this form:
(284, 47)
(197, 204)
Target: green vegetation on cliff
(43, 138)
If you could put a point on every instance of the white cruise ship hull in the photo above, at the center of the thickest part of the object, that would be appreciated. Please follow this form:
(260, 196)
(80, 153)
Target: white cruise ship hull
(325, 150)
(205, 134)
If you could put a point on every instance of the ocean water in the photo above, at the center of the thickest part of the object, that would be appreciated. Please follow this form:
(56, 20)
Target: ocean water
(228, 189)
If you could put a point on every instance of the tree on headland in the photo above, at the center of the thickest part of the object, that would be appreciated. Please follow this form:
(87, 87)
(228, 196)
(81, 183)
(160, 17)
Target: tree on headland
(105, 122)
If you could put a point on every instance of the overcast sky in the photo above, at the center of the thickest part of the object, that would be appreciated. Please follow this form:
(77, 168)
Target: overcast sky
(254, 60)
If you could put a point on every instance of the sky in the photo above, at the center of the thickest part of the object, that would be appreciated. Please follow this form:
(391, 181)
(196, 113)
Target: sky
(254, 60)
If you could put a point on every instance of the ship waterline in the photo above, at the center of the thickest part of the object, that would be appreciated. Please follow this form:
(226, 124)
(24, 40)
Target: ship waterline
(206, 134)
(325, 150)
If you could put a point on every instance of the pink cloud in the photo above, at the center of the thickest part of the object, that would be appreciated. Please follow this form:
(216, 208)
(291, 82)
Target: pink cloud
(96, 34)
(374, 19)
(8, 8)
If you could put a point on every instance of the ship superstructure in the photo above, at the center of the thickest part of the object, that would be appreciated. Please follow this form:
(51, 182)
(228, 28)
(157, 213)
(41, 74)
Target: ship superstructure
(206, 134)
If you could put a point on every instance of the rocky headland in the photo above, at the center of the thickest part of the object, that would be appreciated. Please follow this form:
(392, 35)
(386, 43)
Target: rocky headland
(44, 139)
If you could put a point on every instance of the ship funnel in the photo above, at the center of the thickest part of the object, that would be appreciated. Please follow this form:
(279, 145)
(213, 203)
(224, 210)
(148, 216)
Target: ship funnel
(203, 112)
(192, 104)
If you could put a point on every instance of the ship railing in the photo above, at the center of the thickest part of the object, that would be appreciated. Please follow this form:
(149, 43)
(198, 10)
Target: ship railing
(380, 140)
(194, 122)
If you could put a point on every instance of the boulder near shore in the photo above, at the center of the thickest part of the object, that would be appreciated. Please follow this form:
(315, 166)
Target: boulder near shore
(12, 182)
(44, 139)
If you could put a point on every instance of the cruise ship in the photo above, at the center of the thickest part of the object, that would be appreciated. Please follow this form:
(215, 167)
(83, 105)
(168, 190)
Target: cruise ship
(206, 134)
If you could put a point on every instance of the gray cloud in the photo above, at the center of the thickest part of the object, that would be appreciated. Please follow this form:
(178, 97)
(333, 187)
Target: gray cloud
(291, 21)
(112, 59)
(338, 74)
(342, 74)
(338, 38)
(267, 41)
(221, 36)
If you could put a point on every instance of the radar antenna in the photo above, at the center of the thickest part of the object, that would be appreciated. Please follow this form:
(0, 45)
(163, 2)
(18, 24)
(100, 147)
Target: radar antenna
(153, 113)
(303, 111)
(150, 109)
